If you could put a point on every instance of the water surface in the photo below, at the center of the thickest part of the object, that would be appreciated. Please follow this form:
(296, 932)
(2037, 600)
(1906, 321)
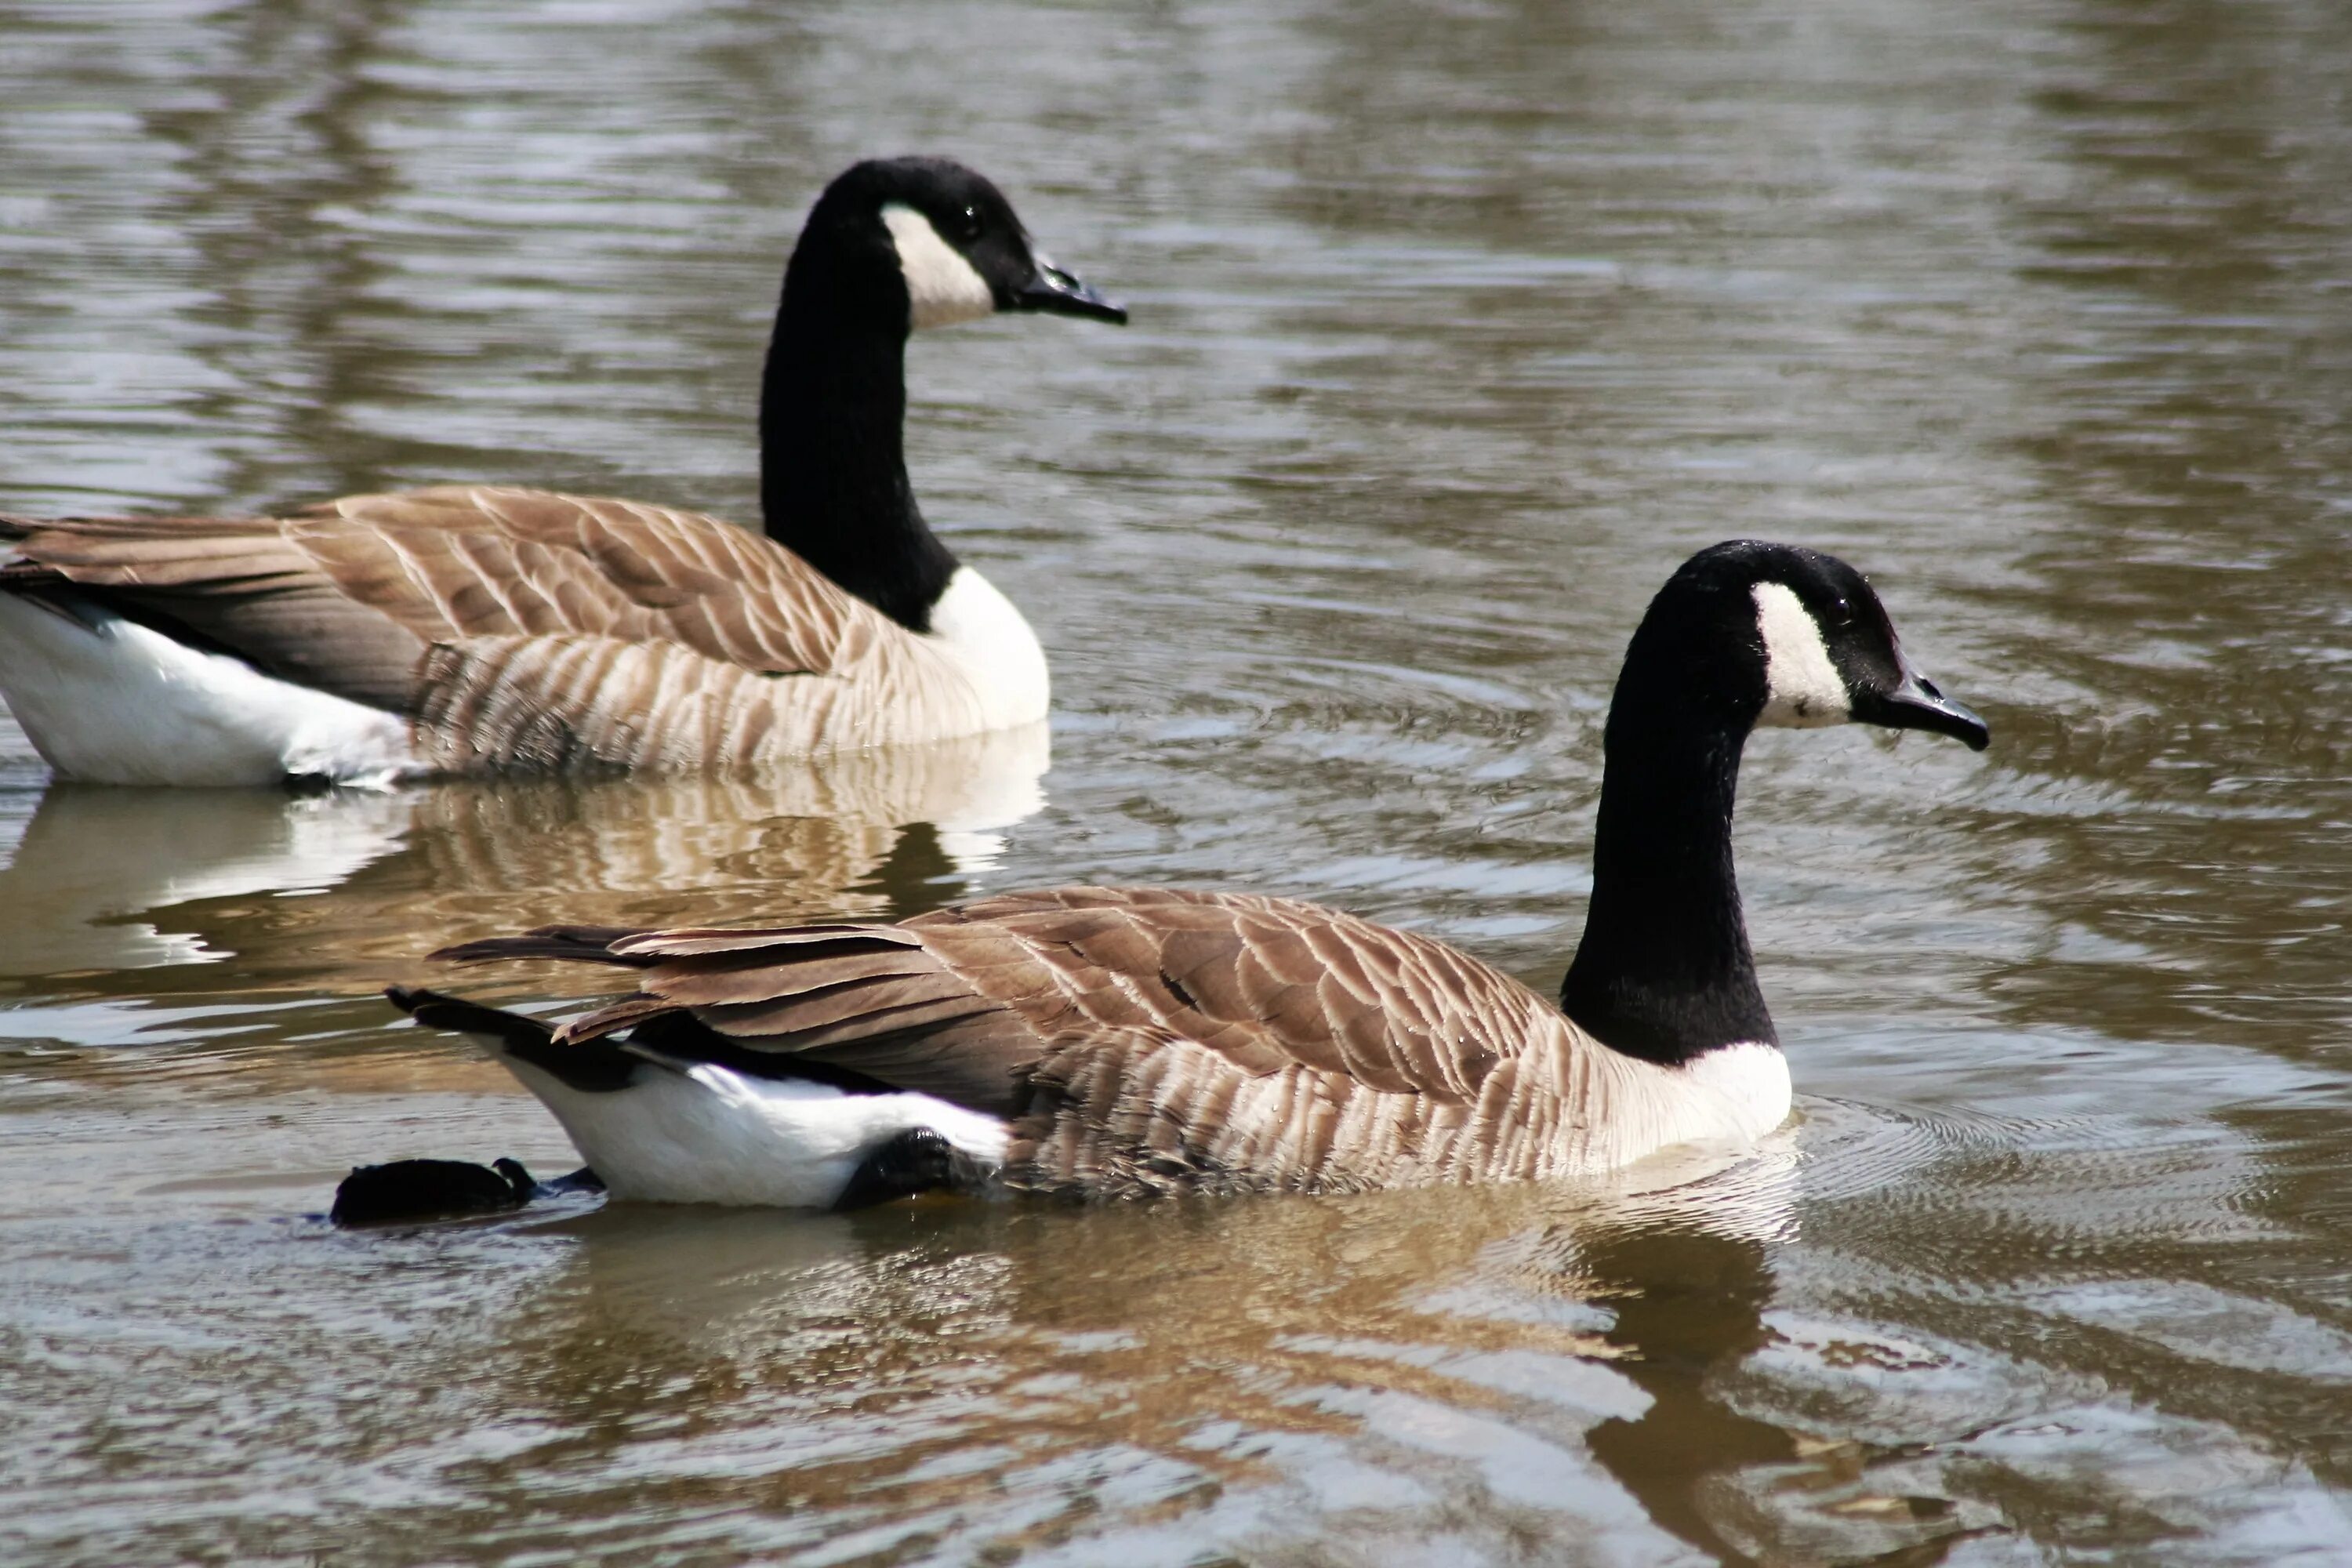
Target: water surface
(1455, 328)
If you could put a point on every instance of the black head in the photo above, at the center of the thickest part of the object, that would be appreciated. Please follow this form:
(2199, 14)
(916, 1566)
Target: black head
(1743, 633)
(945, 237)
(1775, 633)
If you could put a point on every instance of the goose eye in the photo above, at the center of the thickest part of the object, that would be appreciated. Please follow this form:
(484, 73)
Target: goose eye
(968, 223)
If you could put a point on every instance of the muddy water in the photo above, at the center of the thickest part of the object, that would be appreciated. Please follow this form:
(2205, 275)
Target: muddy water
(1454, 330)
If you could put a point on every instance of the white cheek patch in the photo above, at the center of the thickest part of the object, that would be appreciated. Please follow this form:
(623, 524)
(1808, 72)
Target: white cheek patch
(942, 286)
(1803, 689)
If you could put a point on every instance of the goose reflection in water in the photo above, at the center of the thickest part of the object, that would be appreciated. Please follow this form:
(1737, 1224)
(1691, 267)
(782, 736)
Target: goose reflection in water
(344, 890)
(1483, 1367)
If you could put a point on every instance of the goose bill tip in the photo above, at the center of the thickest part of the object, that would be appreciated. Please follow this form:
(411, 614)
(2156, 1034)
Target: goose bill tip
(1060, 293)
(1918, 704)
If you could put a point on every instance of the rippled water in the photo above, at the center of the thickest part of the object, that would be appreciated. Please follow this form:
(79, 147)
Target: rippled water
(1454, 328)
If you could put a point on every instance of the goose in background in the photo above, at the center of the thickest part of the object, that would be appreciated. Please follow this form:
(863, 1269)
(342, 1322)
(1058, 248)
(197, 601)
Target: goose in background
(475, 628)
(1112, 1041)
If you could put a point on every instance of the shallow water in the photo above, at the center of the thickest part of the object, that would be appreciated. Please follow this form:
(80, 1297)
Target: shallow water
(1454, 328)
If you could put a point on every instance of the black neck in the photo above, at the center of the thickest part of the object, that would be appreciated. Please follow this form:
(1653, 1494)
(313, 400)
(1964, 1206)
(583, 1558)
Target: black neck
(1663, 970)
(832, 407)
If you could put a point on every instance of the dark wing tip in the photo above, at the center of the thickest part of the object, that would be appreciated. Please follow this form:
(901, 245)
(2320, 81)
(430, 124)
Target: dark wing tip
(459, 1016)
(469, 953)
(572, 943)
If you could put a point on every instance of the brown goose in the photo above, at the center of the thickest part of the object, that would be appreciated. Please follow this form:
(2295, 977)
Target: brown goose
(471, 628)
(1121, 1040)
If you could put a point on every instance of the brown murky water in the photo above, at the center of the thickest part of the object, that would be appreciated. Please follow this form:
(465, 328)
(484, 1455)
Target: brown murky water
(1454, 328)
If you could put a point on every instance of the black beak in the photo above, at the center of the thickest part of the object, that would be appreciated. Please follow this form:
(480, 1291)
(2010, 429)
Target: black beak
(1062, 294)
(1916, 703)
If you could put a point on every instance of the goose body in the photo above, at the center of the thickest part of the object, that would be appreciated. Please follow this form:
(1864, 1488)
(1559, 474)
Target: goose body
(1097, 1040)
(473, 628)
(1107, 1041)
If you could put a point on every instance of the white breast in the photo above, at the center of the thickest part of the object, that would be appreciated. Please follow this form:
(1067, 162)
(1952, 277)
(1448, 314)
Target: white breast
(991, 643)
(1733, 1095)
(118, 702)
(1745, 1085)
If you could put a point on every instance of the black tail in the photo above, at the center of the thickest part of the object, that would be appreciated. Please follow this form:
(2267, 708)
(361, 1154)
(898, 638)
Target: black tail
(595, 1067)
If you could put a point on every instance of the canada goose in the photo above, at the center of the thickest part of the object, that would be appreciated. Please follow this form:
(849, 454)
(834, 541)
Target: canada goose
(1119, 1040)
(472, 628)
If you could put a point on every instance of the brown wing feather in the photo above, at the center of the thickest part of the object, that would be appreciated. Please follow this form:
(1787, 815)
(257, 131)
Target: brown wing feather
(349, 595)
(1265, 983)
(464, 561)
(1144, 1039)
(233, 585)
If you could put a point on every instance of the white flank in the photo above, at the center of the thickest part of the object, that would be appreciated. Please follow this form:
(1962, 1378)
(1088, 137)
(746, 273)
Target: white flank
(1803, 689)
(994, 648)
(122, 703)
(942, 286)
(710, 1136)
